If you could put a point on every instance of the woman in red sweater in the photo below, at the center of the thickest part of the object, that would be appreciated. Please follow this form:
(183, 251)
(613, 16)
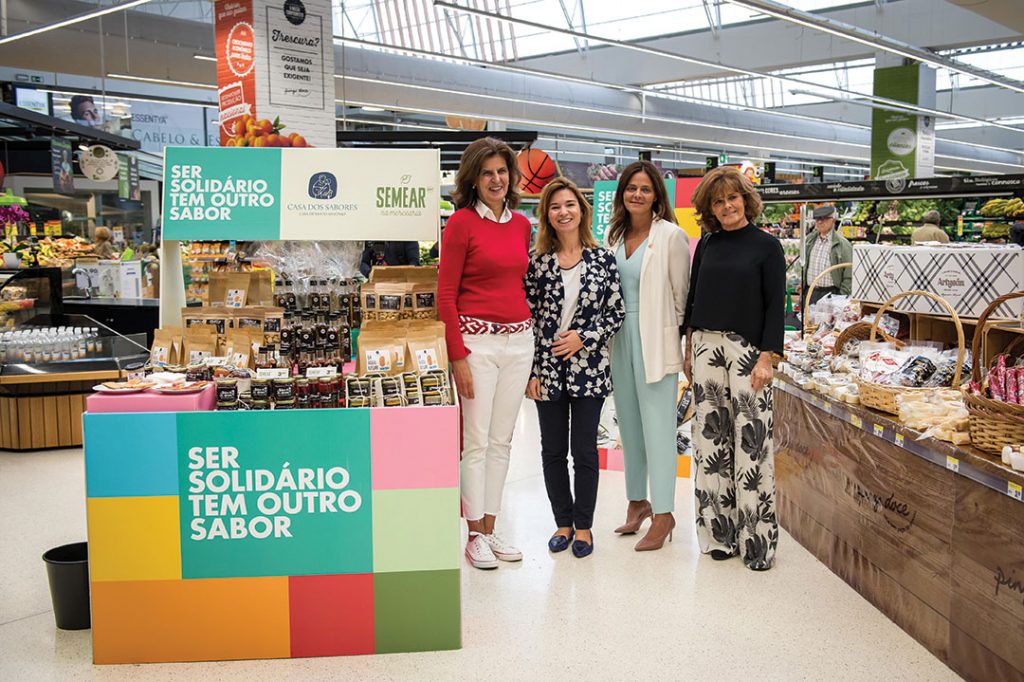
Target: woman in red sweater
(482, 301)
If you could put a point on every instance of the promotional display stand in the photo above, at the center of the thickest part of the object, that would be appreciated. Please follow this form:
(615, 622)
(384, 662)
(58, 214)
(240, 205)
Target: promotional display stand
(276, 534)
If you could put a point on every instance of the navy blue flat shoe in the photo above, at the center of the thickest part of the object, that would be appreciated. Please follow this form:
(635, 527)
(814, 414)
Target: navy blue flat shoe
(560, 543)
(581, 548)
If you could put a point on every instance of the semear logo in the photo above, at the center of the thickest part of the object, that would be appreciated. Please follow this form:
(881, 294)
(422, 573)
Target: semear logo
(323, 186)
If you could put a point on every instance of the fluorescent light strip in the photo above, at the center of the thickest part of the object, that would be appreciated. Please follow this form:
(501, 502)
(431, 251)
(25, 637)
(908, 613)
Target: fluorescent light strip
(884, 43)
(70, 21)
(204, 58)
(367, 121)
(708, 64)
(549, 124)
(633, 115)
(130, 98)
(643, 92)
(161, 81)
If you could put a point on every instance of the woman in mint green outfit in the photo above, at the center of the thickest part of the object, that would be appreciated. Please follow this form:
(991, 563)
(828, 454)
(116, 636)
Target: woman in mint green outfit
(653, 257)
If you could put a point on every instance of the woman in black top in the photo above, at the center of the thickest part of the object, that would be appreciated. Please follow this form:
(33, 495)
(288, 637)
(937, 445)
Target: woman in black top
(733, 324)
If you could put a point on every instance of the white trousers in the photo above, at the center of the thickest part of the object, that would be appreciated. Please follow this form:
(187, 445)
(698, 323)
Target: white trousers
(501, 366)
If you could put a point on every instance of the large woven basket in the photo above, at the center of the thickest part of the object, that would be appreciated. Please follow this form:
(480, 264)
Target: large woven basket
(993, 423)
(883, 397)
(808, 327)
(860, 331)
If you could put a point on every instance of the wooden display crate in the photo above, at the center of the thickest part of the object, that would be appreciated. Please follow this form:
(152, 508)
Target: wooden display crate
(39, 411)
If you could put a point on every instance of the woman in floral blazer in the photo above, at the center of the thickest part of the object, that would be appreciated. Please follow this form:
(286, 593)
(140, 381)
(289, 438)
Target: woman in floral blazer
(572, 287)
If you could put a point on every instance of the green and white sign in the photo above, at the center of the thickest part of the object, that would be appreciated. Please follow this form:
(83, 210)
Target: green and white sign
(604, 193)
(903, 143)
(301, 194)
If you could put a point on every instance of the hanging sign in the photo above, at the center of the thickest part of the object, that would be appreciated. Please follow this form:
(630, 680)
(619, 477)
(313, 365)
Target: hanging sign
(60, 162)
(98, 162)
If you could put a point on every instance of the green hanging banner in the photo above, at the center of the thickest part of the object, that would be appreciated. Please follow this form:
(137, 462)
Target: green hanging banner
(902, 143)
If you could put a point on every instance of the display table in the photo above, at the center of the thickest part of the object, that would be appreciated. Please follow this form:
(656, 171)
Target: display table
(272, 534)
(147, 401)
(930, 533)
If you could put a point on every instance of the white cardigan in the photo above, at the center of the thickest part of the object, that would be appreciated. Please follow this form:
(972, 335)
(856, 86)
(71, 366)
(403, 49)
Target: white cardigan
(664, 282)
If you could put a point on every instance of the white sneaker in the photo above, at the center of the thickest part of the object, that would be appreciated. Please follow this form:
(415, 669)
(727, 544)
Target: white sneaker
(501, 549)
(479, 552)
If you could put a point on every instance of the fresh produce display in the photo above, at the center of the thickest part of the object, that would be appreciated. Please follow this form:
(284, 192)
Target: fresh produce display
(252, 132)
(995, 231)
(776, 213)
(1003, 208)
(61, 252)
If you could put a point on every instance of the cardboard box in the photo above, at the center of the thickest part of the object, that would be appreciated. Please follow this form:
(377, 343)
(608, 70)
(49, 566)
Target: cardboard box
(968, 276)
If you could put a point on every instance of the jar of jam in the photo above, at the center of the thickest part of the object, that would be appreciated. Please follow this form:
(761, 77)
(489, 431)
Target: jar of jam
(260, 389)
(390, 386)
(285, 404)
(198, 373)
(227, 406)
(244, 378)
(302, 388)
(358, 401)
(393, 401)
(227, 390)
(328, 392)
(259, 405)
(284, 389)
(357, 387)
(432, 398)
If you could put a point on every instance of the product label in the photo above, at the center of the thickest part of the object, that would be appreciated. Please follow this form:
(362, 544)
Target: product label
(378, 361)
(1014, 490)
(952, 463)
(159, 355)
(426, 359)
(321, 372)
(198, 356)
(236, 298)
(272, 373)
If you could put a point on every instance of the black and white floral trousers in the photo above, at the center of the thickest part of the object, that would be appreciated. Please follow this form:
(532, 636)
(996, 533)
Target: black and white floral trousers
(734, 481)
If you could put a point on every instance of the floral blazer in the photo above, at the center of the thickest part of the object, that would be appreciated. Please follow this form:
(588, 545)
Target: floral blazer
(598, 316)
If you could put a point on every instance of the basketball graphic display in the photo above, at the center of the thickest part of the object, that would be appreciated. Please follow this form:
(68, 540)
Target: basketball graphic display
(537, 169)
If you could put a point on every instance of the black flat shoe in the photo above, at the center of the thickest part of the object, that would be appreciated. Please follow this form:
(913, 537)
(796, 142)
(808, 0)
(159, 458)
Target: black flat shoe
(560, 543)
(581, 548)
(719, 555)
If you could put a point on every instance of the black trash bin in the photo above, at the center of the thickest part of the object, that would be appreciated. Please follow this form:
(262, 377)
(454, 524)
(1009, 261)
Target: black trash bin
(67, 568)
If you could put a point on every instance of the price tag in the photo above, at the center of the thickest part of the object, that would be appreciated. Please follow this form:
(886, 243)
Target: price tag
(1014, 490)
(899, 439)
(273, 373)
(952, 463)
(856, 421)
(321, 372)
(877, 429)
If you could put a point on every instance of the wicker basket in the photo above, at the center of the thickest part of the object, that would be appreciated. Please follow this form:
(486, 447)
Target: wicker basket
(883, 397)
(993, 423)
(860, 331)
(808, 327)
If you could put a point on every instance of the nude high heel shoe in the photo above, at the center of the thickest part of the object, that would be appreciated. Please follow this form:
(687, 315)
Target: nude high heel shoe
(661, 528)
(636, 512)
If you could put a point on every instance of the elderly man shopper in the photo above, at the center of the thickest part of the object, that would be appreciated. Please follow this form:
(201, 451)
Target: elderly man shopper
(930, 231)
(824, 248)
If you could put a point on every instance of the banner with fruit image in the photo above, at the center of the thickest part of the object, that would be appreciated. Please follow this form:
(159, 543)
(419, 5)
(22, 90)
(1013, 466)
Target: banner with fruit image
(275, 62)
(301, 194)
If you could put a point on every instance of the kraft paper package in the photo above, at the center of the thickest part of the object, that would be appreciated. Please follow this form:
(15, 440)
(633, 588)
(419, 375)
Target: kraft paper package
(424, 296)
(382, 350)
(368, 301)
(166, 346)
(220, 319)
(200, 343)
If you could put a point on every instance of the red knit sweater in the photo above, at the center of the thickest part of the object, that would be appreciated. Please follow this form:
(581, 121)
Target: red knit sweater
(483, 264)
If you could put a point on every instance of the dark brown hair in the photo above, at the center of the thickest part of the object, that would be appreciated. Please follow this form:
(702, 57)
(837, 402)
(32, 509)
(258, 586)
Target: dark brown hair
(663, 208)
(547, 240)
(718, 182)
(472, 162)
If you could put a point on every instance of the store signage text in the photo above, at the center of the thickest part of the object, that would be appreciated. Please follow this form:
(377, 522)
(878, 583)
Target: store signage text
(896, 513)
(228, 502)
(1009, 582)
(193, 197)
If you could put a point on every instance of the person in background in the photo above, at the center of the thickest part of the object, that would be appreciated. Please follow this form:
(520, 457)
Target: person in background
(85, 112)
(104, 247)
(734, 322)
(489, 330)
(652, 255)
(1017, 233)
(572, 286)
(824, 248)
(930, 231)
(388, 253)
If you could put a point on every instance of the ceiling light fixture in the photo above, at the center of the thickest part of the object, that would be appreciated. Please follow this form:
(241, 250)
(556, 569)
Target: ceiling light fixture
(161, 81)
(607, 112)
(875, 40)
(70, 21)
(708, 64)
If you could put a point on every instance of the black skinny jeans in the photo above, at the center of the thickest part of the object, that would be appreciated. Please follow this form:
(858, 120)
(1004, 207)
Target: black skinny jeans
(557, 438)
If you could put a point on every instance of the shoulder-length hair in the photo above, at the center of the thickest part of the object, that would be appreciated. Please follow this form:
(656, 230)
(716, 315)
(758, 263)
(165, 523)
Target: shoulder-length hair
(471, 164)
(720, 181)
(547, 239)
(662, 208)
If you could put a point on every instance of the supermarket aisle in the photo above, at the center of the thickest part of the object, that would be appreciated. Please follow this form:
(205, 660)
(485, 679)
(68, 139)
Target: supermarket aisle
(665, 615)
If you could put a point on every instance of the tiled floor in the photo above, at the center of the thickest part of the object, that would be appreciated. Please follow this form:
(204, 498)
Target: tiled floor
(666, 615)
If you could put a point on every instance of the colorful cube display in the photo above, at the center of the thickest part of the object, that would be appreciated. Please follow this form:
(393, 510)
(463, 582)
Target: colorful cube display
(231, 535)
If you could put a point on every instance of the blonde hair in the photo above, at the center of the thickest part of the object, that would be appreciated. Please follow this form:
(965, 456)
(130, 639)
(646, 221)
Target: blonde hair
(663, 208)
(547, 240)
(472, 163)
(714, 184)
(102, 234)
